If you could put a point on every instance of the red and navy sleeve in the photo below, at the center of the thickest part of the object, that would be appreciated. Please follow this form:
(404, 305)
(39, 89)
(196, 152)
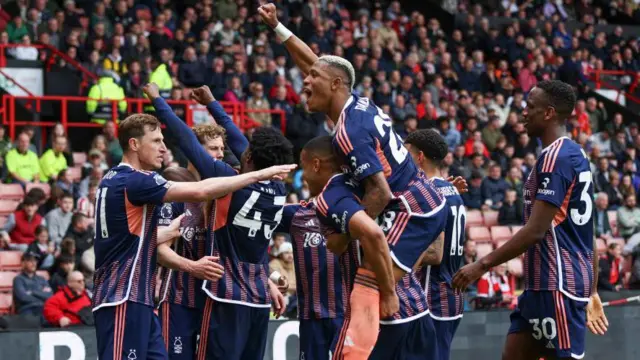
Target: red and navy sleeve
(355, 141)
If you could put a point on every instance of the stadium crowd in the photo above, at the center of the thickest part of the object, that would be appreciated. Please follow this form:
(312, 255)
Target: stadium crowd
(470, 85)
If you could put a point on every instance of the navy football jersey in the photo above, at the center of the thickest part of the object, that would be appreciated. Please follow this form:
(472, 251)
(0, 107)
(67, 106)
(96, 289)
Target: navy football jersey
(321, 292)
(242, 225)
(444, 302)
(563, 261)
(179, 287)
(126, 235)
(365, 136)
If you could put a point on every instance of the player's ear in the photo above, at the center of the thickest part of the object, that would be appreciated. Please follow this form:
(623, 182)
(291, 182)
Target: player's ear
(316, 164)
(134, 144)
(549, 113)
(336, 83)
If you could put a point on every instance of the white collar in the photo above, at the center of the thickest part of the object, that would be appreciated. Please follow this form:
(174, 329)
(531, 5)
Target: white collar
(550, 145)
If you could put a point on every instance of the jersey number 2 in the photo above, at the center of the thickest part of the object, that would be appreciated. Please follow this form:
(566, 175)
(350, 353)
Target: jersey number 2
(578, 218)
(459, 217)
(255, 224)
(398, 150)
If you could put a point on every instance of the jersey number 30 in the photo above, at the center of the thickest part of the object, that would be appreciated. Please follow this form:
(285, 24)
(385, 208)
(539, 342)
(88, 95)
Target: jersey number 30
(255, 223)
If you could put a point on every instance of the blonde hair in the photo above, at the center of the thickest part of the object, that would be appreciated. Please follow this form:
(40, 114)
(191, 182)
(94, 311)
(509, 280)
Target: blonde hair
(206, 132)
(342, 64)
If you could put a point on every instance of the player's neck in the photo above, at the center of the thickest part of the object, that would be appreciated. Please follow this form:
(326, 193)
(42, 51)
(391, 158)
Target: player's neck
(553, 134)
(340, 98)
(133, 161)
(430, 171)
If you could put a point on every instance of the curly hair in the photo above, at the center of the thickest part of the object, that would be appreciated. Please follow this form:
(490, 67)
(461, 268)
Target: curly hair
(206, 132)
(431, 143)
(268, 147)
(560, 95)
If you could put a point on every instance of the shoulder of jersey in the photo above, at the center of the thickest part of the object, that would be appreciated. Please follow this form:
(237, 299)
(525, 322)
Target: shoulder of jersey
(560, 151)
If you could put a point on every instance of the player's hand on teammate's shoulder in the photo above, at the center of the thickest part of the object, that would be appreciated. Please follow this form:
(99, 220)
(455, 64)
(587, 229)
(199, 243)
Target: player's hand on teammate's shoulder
(207, 268)
(202, 95)
(596, 319)
(389, 305)
(277, 172)
(459, 183)
(151, 90)
(268, 14)
(467, 275)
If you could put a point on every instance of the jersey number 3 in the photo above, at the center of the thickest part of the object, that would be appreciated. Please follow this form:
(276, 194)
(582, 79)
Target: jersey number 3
(578, 218)
(255, 223)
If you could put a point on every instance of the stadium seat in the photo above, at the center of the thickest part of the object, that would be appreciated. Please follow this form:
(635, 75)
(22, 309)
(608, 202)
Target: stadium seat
(79, 158)
(514, 266)
(6, 280)
(3, 220)
(44, 274)
(75, 173)
(479, 234)
(8, 206)
(602, 246)
(13, 192)
(500, 243)
(499, 233)
(6, 300)
(515, 229)
(490, 218)
(483, 249)
(45, 187)
(474, 218)
(10, 260)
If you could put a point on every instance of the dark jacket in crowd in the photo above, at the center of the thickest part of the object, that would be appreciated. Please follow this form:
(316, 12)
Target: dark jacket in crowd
(30, 293)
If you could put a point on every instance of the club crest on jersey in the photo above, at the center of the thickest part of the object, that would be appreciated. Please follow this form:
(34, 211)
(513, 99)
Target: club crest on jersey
(132, 354)
(159, 179)
(177, 345)
(312, 239)
(166, 211)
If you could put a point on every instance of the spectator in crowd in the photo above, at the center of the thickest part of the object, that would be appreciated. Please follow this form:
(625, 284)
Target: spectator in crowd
(100, 107)
(81, 234)
(610, 265)
(601, 216)
(95, 159)
(615, 196)
(491, 133)
(494, 188)
(65, 265)
(17, 29)
(30, 290)
(114, 151)
(450, 135)
(470, 253)
(494, 289)
(70, 305)
(277, 241)
(59, 219)
(53, 160)
(20, 229)
(628, 217)
(26, 51)
(86, 204)
(473, 198)
(634, 279)
(43, 248)
(88, 266)
(283, 263)
(257, 101)
(511, 210)
(601, 175)
(22, 164)
(597, 114)
(66, 183)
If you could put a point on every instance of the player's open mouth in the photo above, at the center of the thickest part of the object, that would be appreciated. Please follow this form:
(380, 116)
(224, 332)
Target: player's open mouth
(307, 92)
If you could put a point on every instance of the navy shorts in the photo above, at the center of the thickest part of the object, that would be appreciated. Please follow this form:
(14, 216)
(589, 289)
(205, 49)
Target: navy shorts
(233, 332)
(557, 322)
(180, 329)
(129, 331)
(406, 341)
(316, 337)
(445, 330)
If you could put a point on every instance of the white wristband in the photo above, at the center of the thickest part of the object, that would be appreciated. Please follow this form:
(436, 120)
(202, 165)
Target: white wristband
(282, 32)
(275, 277)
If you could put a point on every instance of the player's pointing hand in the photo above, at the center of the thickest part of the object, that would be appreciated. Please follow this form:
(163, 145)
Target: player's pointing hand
(268, 14)
(207, 268)
(467, 275)
(278, 172)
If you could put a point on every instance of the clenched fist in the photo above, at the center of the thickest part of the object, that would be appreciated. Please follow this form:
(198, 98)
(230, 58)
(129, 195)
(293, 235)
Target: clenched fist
(268, 14)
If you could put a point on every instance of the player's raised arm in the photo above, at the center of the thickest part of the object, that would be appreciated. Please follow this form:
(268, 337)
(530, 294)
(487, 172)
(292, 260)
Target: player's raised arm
(235, 139)
(214, 188)
(300, 52)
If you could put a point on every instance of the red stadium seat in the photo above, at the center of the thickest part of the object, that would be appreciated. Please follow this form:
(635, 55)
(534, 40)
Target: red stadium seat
(602, 246)
(490, 218)
(514, 266)
(6, 280)
(79, 158)
(474, 218)
(10, 260)
(483, 249)
(6, 300)
(515, 229)
(75, 173)
(499, 233)
(500, 243)
(45, 187)
(44, 274)
(479, 234)
(13, 192)
(8, 206)
(3, 220)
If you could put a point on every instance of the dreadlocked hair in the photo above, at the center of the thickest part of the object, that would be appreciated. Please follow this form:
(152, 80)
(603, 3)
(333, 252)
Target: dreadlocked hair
(269, 147)
(560, 95)
(430, 142)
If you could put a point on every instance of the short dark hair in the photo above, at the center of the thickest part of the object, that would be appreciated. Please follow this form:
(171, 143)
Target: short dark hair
(36, 194)
(65, 194)
(613, 246)
(40, 229)
(431, 143)
(560, 96)
(321, 146)
(269, 147)
(77, 217)
(29, 201)
(134, 127)
(66, 259)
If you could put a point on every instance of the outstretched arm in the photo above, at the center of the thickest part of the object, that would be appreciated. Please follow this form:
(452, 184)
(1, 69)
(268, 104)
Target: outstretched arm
(300, 52)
